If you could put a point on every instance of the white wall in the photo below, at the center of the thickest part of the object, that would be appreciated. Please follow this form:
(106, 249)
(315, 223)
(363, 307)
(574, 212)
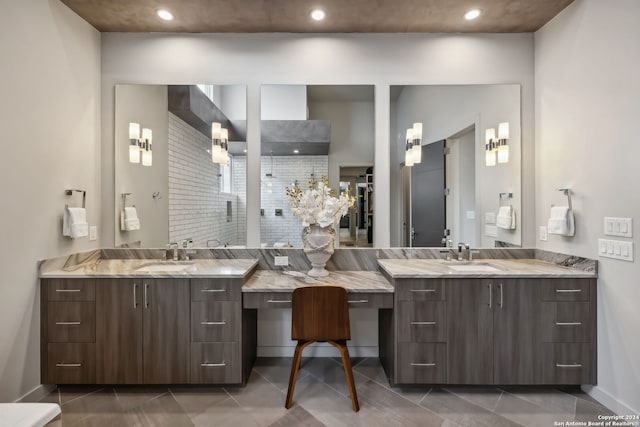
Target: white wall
(587, 64)
(49, 116)
(381, 60)
(283, 102)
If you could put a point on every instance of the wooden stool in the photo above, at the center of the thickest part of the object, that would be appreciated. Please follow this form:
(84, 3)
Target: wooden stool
(320, 313)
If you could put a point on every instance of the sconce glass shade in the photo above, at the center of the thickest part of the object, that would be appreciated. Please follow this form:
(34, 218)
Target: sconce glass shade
(489, 135)
(147, 157)
(134, 152)
(417, 131)
(489, 151)
(503, 153)
(147, 135)
(503, 130)
(490, 158)
(134, 131)
(417, 152)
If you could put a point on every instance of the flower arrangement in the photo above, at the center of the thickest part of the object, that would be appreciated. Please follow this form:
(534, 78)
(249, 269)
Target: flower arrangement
(319, 204)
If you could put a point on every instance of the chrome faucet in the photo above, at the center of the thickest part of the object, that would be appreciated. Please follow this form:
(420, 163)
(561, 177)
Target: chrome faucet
(174, 246)
(467, 248)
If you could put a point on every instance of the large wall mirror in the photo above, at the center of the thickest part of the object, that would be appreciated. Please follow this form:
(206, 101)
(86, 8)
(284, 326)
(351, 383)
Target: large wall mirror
(461, 189)
(308, 131)
(172, 182)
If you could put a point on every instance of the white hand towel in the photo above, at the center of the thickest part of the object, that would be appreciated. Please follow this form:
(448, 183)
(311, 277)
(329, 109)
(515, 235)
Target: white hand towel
(74, 223)
(129, 220)
(506, 218)
(561, 221)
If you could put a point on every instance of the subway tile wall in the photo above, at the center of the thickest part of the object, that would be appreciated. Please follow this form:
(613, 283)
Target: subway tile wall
(287, 228)
(197, 208)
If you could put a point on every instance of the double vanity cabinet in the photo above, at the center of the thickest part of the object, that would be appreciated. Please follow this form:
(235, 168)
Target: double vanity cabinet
(524, 322)
(490, 329)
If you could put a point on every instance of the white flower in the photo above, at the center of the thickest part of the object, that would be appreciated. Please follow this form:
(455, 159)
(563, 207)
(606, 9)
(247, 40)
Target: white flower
(317, 206)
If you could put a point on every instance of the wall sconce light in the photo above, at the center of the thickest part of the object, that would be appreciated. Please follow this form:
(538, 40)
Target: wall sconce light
(139, 145)
(497, 147)
(219, 144)
(413, 147)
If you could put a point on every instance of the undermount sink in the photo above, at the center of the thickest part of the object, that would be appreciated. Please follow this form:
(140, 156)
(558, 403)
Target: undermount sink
(470, 268)
(165, 268)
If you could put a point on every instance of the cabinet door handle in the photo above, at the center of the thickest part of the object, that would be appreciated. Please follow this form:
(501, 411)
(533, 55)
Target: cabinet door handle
(135, 287)
(358, 301)
(67, 323)
(69, 365)
(572, 365)
(213, 323)
(423, 290)
(423, 323)
(146, 300)
(568, 323)
(501, 295)
(270, 301)
(423, 364)
(568, 290)
(490, 294)
(213, 365)
(213, 290)
(67, 290)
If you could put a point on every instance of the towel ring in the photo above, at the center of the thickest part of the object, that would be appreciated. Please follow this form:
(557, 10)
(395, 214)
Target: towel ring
(124, 199)
(84, 196)
(567, 192)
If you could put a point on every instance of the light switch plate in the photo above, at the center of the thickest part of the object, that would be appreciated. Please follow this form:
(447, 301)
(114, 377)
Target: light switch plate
(471, 214)
(490, 218)
(490, 230)
(93, 232)
(542, 233)
(622, 227)
(281, 260)
(616, 249)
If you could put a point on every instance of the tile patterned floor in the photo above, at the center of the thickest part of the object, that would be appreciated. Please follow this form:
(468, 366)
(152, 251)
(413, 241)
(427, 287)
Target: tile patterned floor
(321, 399)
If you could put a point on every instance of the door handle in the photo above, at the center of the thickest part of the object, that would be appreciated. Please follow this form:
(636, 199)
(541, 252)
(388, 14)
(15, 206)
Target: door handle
(146, 300)
(501, 295)
(490, 294)
(135, 299)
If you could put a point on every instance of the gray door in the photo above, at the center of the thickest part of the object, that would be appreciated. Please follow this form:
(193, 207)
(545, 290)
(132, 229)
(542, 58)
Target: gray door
(428, 219)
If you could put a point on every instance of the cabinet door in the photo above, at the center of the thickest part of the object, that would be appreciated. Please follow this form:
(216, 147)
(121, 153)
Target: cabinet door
(166, 331)
(119, 331)
(516, 331)
(469, 331)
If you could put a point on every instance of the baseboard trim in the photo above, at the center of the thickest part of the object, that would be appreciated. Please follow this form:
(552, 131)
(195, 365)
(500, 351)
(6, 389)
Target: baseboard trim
(316, 350)
(609, 400)
(37, 394)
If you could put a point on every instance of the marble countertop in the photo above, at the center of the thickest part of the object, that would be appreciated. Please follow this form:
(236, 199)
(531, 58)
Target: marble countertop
(123, 268)
(508, 268)
(279, 281)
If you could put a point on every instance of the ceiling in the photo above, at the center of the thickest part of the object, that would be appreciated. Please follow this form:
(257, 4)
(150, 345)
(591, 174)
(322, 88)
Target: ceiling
(343, 16)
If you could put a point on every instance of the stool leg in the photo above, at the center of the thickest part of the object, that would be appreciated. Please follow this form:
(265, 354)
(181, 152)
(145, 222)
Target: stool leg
(348, 372)
(295, 366)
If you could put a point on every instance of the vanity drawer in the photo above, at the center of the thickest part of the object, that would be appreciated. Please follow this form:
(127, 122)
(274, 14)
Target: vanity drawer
(421, 363)
(215, 363)
(422, 321)
(370, 300)
(566, 363)
(266, 300)
(216, 290)
(566, 322)
(70, 289)
(419, 290)
(71, 321)
(215, 321)
(566, 290)
(71, 364)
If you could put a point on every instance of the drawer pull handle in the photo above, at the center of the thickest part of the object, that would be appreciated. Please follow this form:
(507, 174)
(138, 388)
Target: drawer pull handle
(214, 365)
(568, 290)
(423, 364)
(423, 290)
(68, 290)
(358, 301)
(67, 323)
(214, 323)
(275, 301)
(213, 290)
(69, 365)
(424, 323)
(574, 365)
(568, 323)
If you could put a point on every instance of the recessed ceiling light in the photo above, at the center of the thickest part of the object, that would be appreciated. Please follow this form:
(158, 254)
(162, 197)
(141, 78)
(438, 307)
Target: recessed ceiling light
(165, 14)
(318, 15)
(296, 151)
(472, 14)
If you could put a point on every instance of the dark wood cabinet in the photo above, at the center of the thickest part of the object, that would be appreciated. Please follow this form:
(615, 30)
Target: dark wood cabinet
(143, 331)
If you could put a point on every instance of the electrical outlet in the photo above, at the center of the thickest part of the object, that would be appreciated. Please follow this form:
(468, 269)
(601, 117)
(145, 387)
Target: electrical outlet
(542, 233)
(615, 249)
(281, 260)
(93, 232)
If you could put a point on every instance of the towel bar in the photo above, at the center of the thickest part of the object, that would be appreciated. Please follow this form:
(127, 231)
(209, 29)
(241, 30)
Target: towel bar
(567, 192)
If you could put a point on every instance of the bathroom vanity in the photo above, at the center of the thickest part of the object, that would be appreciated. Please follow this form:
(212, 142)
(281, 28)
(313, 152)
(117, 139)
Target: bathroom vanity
(150, 321)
